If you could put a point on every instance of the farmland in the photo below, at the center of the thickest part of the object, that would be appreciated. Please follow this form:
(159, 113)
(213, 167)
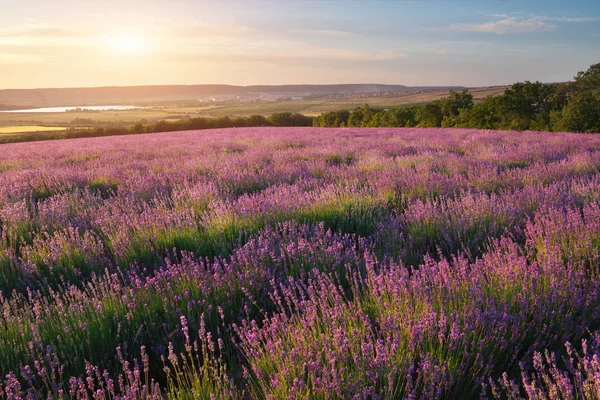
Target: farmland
(30, 128)
(301, 263)
(176, 110)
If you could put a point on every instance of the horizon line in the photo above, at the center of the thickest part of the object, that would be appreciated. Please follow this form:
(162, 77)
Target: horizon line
(255, 85)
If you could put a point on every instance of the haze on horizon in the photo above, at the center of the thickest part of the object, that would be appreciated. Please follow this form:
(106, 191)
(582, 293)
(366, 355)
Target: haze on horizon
(468, 43)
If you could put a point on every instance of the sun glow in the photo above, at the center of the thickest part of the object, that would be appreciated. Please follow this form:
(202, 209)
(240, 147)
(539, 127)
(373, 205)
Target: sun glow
(127, 44)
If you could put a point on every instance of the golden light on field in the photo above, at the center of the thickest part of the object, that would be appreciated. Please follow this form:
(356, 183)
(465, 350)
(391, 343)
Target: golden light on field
(127, 44)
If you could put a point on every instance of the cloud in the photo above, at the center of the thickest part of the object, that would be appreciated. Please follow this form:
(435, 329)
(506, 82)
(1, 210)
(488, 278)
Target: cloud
(293, 55)
(507, 25)
(204, 42)
(40, 36)
(346, 54)
(325, 32)
(197, 29)
(38, 30)
(263, 44)
(467, 42)
(20, 59)
(568, 19)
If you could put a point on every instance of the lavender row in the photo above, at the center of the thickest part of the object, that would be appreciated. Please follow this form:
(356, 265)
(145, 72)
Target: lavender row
(396, 263)
(445, 329)
(121, 203)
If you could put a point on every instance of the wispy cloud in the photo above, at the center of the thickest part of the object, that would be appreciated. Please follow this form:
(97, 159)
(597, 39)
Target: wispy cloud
(194, 40)
(569, 19)
(506, 24)
(205, 29)
(39, 35)
(20, 59)
(294, 55)
(325, 32)
(38, 30)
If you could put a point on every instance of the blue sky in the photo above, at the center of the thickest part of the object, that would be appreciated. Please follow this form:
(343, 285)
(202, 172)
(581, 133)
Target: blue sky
(452, 42)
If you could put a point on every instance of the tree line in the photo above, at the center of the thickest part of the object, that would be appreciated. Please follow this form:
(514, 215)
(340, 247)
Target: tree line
(277, 119)
(571, 107)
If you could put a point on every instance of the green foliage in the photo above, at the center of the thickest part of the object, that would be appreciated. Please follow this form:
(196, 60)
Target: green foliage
(257, 120)
(573, 107)
(332, 119)
(104, 186)
(452, 106)
(290, 119)
(361, 116)
(582, 113)
(429, 115)
(402, 117)
(336, 159)
(199, 372)
(587, 80)
(554, 107)
(406, 117)
(10, 273)
(279, 119)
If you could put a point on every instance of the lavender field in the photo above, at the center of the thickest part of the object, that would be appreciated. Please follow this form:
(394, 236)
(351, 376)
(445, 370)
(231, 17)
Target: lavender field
(301, 263)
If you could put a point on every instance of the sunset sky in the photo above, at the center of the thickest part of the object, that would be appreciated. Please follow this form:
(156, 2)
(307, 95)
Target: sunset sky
(452, 42)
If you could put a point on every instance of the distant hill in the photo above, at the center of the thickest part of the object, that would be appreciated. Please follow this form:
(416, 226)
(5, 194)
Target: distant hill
(13, 98)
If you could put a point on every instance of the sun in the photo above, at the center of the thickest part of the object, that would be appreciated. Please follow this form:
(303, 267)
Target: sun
(127, 44)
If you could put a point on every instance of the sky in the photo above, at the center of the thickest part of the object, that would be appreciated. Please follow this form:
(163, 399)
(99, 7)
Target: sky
(77, 43)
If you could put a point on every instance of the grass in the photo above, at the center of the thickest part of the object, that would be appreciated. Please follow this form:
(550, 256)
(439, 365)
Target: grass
(174, 111)
(26, 127)
(73, 118)
(30, 128)
(317, 107)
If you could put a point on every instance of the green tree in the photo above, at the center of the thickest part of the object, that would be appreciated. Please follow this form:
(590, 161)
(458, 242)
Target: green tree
(385, 118)
(290, 119)
(406, 117)
(452, 105)
(223, 122)
(325, 120)
(341, 118)
(257, 120)
(484, 115)
(429, 115)
(238, 122)
(582, 113)
(361, 116)
(588, 80)
(137, 128)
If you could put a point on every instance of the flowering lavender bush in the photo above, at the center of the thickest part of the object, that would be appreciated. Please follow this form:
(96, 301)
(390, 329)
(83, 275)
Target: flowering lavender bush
(301, 263)
(578, 379)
